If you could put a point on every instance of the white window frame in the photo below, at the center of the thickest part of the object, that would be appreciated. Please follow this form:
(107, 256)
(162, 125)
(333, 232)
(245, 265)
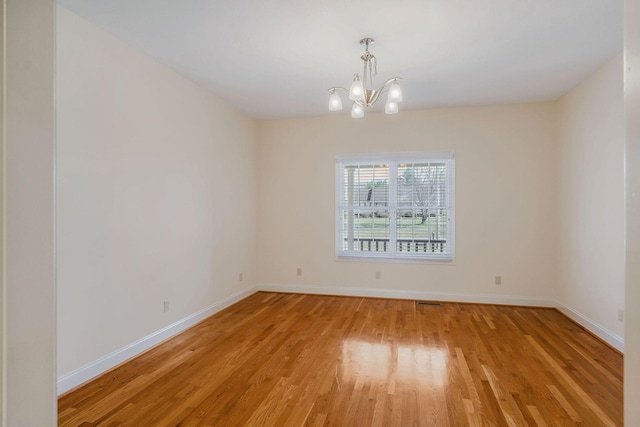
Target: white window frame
(393, 159)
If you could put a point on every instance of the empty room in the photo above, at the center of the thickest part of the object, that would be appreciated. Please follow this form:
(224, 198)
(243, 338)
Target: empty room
(261, 213)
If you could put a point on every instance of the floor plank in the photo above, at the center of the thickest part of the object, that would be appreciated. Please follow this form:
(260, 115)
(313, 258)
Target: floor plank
(306, 360)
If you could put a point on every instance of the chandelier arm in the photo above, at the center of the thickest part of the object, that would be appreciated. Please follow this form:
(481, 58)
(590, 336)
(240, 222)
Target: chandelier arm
(338, 87)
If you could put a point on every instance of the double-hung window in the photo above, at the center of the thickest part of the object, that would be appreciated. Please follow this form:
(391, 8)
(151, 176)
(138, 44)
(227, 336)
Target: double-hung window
(395, 206)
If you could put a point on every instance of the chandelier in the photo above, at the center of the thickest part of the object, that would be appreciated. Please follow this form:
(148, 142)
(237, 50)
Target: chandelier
(362, 93)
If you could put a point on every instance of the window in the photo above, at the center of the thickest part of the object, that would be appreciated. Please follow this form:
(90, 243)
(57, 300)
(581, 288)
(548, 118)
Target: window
(395, 206)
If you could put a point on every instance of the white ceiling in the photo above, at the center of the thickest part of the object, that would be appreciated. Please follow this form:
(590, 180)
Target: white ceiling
(277, 58)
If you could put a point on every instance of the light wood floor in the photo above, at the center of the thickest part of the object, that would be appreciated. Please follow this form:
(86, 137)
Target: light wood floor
(291, 360)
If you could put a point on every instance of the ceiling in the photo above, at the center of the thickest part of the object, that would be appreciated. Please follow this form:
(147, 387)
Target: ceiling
(277, 58)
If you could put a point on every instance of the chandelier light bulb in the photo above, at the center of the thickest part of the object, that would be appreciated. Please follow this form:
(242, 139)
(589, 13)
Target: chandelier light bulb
(357, 111)
(395, 93)
(391, 107)
(335, 102)
(356, 93)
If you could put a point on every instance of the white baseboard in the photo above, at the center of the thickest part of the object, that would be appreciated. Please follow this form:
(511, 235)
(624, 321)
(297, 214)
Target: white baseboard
(406, 294)
(595, 328)
(93, 369)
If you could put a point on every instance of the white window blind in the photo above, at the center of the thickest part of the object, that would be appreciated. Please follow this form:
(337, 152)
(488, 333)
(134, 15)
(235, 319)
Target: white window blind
(398, 206)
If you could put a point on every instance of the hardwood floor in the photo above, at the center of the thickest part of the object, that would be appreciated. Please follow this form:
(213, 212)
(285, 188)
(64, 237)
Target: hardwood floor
(291, 360)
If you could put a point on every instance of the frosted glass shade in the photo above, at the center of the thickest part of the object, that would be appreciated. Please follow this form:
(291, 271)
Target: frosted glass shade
(391, 107)
(335, 102)
(356, 92)
(357, 111)
(395, 93)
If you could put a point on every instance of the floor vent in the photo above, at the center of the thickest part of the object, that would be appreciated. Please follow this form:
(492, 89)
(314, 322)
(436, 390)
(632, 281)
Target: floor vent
(430, 303)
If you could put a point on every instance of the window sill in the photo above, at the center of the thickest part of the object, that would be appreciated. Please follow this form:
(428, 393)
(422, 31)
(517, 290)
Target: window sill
(396, 260)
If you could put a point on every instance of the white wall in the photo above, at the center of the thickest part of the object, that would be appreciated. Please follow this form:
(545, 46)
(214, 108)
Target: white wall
(632, 301)
(591, 198)
(156, 195)
(505, 200)
(28, 276)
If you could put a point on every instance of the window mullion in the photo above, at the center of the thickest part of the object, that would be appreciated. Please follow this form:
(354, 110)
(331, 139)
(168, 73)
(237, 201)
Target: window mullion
(393, 203)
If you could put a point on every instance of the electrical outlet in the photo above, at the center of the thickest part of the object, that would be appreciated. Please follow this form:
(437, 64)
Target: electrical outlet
(377, 275)
(299, 271)
(498, 280)
(166, 306)
(621, 315)
(240, 277)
